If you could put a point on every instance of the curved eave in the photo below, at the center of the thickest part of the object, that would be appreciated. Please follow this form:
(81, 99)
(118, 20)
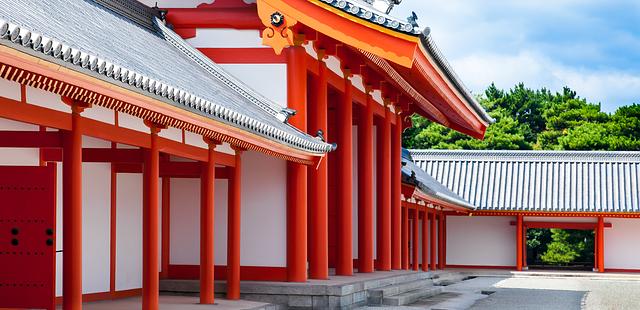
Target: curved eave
(417, 193)
(407, 54)
(39, 67)
(389, 44)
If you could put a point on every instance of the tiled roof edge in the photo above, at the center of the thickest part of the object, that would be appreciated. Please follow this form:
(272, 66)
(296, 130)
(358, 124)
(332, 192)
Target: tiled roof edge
(53, 48)
(524, 155)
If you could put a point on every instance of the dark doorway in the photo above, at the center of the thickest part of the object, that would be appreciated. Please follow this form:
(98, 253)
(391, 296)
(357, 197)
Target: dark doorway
(560, 249)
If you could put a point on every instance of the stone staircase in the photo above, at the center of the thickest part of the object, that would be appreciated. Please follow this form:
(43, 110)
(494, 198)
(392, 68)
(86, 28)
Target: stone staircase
(396, 288)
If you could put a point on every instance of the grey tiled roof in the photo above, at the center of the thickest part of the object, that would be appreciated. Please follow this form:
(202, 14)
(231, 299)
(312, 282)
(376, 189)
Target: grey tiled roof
(414, 175)
(123, 50)
(554, 181)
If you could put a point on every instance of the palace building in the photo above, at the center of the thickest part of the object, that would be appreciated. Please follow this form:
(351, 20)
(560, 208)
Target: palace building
(214, 142)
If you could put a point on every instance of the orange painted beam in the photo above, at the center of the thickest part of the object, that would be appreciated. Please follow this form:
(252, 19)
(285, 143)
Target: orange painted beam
(247, 55)
(236, 18)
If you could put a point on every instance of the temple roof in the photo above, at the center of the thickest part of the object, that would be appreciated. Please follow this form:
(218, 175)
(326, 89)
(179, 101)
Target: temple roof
(542, 181)
(414, 175)
(127, 44)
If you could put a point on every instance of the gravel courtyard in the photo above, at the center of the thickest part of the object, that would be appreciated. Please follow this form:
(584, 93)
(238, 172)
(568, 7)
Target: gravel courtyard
(536, 292)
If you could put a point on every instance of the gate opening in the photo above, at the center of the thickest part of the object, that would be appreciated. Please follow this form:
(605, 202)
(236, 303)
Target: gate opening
(560, 249)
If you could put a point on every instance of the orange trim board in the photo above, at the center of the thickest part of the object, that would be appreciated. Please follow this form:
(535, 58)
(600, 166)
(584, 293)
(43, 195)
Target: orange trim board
(244, 55)
(247, 273)
(117, 97)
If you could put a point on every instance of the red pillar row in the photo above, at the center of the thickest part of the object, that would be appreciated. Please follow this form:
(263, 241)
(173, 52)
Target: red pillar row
(396, 208)
(150, 277)
(414, 241)
(297, 173)
(233, 229)
(207, 209)
(365, 187)
(72, 213)
(318, 183)
(441, 242)
(344, 259)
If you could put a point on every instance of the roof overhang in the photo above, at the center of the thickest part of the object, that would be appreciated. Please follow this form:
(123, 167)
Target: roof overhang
(398, 53)
(24, 68)
(412, 191)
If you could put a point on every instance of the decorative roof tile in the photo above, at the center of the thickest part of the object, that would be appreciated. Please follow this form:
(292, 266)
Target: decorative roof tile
(97, 40)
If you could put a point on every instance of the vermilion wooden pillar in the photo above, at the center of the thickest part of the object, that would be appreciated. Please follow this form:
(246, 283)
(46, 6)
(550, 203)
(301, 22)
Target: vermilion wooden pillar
(150, 277)
(384, 181)
(414, 243)
(365, 187)
(441, 242)
(600, 244)
(405, 238)
(344, 258)
(434, 252)
(318, 182)
(297, 173)
(425, 243)
(72, 213)
(233, 229)
(519, 243)
(396, 212)
(207, 209)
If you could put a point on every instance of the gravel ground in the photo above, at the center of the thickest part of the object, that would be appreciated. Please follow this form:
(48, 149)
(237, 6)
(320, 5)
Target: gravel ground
(538, 292)
(562, 293)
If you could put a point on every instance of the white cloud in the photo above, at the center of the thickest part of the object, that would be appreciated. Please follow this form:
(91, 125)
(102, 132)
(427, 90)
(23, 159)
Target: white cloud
(611, 88)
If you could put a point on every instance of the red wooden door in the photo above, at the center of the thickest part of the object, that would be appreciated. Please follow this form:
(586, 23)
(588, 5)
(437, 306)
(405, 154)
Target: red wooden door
(27, 237)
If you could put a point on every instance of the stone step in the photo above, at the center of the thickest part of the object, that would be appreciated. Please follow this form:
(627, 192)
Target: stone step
(448, 278)
(383, 282)
(377, 295)
(411, 296)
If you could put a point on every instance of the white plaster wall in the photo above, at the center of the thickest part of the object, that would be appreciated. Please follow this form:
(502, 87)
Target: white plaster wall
(46, 99)
(101, 114)
(185, 222)
(96, 205)
(226, 38)
(621, 249)
(481, 240)
(257, 75)
(131, 122)
(10, 89)
(171, 133)
(129, 231)
(264, 205)
(263, 215)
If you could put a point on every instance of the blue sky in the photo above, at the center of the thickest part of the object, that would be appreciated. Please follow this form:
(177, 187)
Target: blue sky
(591, 46)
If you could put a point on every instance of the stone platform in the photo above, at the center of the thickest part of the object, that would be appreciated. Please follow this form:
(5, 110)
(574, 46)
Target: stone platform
(393, 288)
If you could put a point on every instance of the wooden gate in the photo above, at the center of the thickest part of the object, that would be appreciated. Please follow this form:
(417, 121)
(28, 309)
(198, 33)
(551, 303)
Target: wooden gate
(27, 237)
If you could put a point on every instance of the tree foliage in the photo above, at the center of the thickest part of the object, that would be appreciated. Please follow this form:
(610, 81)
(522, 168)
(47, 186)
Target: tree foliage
(537, 119)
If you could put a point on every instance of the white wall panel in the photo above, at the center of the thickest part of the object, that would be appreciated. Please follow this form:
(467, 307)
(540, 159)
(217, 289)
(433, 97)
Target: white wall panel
(10, 89)
(220, 229)
(96, 204)
(194, 139)
(226, 38)
(263, 228)
(171, 133)
(255, 76)
(127, 121)
(46, 99)
(101, 114)
(481, 240)
(185, 221)
(129, 231)
(621, 249)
